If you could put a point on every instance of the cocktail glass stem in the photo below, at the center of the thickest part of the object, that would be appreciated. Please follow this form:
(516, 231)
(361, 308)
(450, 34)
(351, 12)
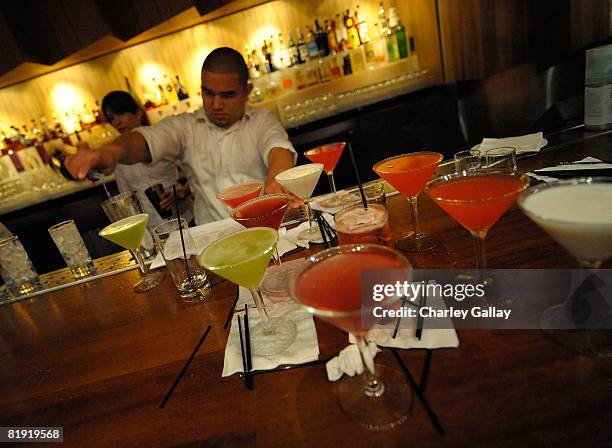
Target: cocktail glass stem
(332, 184)
(261, 310)
(480, 252)
(309, 215)
(140, 260)
(277, 259)
(415, 215)
(373, 387)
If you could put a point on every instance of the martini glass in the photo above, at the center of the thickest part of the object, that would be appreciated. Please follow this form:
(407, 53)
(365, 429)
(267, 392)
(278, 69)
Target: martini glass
(266, 211)
(408, 174)
(329, 285)
(301, 181)
(128, 233)
(577, 214)
(328, 155)
(476, 201)
(242, 257)
(121, 206)
(235, 195)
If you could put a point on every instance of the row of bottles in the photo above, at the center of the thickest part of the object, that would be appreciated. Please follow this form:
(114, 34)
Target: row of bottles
(159, 92)
(337, 36)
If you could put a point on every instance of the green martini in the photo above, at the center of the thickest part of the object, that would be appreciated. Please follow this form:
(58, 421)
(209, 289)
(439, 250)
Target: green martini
(127, 232)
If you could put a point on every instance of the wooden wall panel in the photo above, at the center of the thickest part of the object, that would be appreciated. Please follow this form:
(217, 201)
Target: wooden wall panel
(183, 52)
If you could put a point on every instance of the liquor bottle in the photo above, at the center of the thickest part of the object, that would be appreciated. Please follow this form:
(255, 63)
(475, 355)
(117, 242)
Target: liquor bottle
(57, 162)
(311, 43)
(332, 42)
(148, 103)
(362, 27)
(400, 33)
(292, 51)
(46, 129)
(347, 69)
(97, 112)
(265, 50)
(351, 29)
(321, 39)
(340, 31)
(302, 48)
(160, 97)
(170, 93)
(37, 132)
(181, 92)
(392, 47)
(382, 17)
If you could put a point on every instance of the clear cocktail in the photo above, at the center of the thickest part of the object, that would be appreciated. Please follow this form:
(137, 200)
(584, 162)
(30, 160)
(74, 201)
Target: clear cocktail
(358, 225)
(237, 194)
(242, 257)
(408, 174)
(128, 233)
(329, 285)
(301, 181)
(328, 155)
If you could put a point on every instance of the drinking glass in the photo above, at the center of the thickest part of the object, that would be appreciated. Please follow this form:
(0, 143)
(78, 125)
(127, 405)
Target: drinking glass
(501, 159)
(267, 211)
(68, 240)
(476, 201)
(242, 257)
(120, 207)
(375, 194)
(356, 224)
(189, 277)
(577, 214)
(469, 160)
(408, 173)
(16, 268)
(328, 155)
(329, 285)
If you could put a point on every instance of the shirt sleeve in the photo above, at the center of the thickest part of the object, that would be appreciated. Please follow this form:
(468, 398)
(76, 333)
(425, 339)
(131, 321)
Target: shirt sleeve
(166, 139)
(272, 135)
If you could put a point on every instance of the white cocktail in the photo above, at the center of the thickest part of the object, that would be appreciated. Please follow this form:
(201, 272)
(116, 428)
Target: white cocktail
(577, 213)
(301, 181)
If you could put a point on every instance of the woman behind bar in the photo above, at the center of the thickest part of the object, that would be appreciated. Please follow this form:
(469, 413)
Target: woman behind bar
(124, 114)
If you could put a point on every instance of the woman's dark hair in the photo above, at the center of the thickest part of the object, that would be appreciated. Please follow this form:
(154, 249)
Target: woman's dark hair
(119, 102)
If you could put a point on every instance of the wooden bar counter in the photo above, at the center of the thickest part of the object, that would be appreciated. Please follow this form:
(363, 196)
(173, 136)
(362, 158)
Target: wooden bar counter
(97, 359)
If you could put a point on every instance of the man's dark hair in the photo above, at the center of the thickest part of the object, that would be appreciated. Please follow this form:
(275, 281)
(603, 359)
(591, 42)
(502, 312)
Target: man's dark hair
(227, 60)
(119, 102)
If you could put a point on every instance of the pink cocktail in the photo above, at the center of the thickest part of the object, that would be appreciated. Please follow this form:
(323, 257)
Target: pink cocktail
(329, 285)
(237, 194)
(363, 225)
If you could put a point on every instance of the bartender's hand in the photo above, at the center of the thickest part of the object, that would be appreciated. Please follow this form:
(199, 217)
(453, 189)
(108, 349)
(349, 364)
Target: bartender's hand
(280, 159)
(167, 198)
(104, 159)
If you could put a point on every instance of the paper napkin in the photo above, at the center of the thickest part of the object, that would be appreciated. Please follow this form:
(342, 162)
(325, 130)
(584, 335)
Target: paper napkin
(592, 164)
(349, 361)
(523, 143)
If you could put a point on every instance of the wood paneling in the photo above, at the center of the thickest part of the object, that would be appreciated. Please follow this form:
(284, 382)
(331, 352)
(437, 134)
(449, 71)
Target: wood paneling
(183, 52)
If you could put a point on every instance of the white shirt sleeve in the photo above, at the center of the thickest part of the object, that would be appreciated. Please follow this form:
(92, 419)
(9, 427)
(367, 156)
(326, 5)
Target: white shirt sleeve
(167, 138)
(271, 135)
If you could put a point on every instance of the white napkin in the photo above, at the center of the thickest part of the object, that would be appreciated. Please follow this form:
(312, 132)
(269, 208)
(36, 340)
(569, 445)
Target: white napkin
(349, 361)
(406, 336)
(522, 143)
(571, 166)
(304, 349)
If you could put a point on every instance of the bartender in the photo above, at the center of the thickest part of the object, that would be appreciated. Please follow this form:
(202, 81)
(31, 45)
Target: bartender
(225, 143)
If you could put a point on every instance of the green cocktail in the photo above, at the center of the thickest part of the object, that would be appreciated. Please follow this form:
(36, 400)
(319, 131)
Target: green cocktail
(242, 257)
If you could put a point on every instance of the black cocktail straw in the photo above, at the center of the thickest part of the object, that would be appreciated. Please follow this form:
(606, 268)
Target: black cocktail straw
(178, 217)
(364, 201)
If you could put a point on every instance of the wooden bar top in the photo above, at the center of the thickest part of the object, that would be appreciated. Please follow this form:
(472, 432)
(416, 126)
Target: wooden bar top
(97, 359)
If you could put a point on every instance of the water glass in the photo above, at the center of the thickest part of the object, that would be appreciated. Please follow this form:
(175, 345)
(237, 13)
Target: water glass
(189, 277)
(469, 160)
(374, 193)
(501, 159)
(16, 268)
(68, 240)
(356, 225)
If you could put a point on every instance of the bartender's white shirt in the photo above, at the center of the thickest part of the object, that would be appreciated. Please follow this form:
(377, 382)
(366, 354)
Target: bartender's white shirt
(214, 158)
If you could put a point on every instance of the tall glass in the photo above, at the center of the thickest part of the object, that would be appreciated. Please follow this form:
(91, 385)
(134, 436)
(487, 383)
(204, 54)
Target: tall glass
(328, 155)
(356, 224)
(476, 201)
(329, 285)
(301, 181)
(122, 206)
(16, 267)
(68, 240)
(408, 174)
(242, 257)
(577, 214)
